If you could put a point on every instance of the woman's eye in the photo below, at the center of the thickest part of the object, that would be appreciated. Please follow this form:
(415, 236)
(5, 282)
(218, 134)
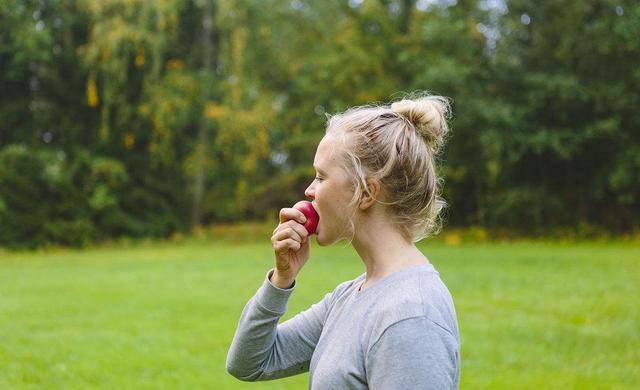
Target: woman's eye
(318, 178)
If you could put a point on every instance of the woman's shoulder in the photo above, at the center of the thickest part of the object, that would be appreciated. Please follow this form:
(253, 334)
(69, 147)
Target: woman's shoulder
(345, 288)
(415, 294)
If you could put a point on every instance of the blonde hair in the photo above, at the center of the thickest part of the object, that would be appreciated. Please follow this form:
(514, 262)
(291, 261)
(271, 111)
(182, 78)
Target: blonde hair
(397, 145)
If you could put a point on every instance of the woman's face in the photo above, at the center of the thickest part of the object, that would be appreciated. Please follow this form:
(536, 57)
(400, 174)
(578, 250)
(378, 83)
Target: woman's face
(330, 192)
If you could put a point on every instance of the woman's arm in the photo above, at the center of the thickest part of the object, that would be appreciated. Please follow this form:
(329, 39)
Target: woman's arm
(262, 349)
(415, 353)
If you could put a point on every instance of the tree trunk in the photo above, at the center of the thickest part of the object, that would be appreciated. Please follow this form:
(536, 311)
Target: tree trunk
(207, 74)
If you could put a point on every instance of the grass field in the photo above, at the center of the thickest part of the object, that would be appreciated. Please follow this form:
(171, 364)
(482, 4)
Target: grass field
(162, 315)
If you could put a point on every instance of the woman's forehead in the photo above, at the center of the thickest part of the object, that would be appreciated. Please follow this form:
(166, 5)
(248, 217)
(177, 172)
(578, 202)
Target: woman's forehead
(327, 155)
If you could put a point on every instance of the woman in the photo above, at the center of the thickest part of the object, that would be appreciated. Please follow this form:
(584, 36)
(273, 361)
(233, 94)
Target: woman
(393, 327)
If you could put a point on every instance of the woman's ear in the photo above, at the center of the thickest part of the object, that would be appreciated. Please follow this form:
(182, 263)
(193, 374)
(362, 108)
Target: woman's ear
(368, 199)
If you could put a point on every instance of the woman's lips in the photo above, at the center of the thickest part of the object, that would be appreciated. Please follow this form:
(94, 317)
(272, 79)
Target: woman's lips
(319, 217)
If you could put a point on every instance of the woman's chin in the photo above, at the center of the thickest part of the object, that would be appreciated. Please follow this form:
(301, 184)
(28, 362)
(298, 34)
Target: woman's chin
(326, 241)
(320, 239)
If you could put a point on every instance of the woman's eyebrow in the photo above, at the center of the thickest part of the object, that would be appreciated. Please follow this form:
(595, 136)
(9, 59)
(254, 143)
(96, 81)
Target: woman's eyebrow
(318, 169)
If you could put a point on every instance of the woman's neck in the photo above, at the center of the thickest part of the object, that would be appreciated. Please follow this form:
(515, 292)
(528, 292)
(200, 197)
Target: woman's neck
(383, 250)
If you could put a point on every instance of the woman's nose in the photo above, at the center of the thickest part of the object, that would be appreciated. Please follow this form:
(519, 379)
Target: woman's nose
(310, 193)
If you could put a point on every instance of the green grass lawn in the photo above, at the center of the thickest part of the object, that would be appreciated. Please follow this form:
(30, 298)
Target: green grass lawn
(162, 315)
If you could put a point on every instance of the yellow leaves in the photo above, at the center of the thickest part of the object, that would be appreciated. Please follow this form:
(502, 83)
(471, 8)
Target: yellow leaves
(158, 125)
(455, 173)
(367, 96)
(250, 163)
(139, 61)
(214, 111)
(198, 231)
(129, 141)
(144, 109)
(175, 63)
(479, 233)
(453, 238)
(297, 130)
(105, 54)
(238, 49)
(258, 149)
(346, 35)
(456, 237)
(241, 195)
(243, 133)
(92, 91)
(265, 31)
(262, 142)
(162, 22)
(160, 129)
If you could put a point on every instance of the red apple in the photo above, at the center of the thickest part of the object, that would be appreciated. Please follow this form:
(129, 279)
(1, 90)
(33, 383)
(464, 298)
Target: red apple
(310, 212)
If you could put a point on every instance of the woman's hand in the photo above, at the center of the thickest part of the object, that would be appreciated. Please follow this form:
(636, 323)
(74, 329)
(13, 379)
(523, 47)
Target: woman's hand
(291, 244)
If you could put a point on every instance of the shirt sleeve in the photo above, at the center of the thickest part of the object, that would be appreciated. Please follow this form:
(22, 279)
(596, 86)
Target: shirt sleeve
(414, 353)
(263, 350)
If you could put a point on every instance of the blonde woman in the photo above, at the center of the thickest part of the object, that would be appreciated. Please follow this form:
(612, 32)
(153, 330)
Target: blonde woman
(394, 326)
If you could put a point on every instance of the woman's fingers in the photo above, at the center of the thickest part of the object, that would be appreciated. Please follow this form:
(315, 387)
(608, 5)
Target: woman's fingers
(289, 213)
(290, 236)
(285, 245)
(301, 230)
(287, 232)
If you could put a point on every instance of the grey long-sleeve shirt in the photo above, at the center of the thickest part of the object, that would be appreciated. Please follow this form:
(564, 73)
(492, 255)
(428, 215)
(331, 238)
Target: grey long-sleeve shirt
(399, 333)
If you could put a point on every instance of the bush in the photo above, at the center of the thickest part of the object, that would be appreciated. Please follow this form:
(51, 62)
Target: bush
(526, 210)
(39, 202)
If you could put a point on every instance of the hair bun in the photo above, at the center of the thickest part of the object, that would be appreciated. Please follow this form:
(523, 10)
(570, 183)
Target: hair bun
(429, 115)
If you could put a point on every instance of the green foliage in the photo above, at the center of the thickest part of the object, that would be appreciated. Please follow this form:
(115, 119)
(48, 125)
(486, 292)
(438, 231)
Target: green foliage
(40, 202)
(572, 89)
(165, 124)
(526, 210)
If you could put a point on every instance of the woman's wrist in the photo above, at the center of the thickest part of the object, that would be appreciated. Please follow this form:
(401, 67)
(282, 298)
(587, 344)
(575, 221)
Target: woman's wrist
(280, 282)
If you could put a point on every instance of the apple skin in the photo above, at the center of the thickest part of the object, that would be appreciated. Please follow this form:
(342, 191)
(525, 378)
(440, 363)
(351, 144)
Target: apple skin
(310, 212)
